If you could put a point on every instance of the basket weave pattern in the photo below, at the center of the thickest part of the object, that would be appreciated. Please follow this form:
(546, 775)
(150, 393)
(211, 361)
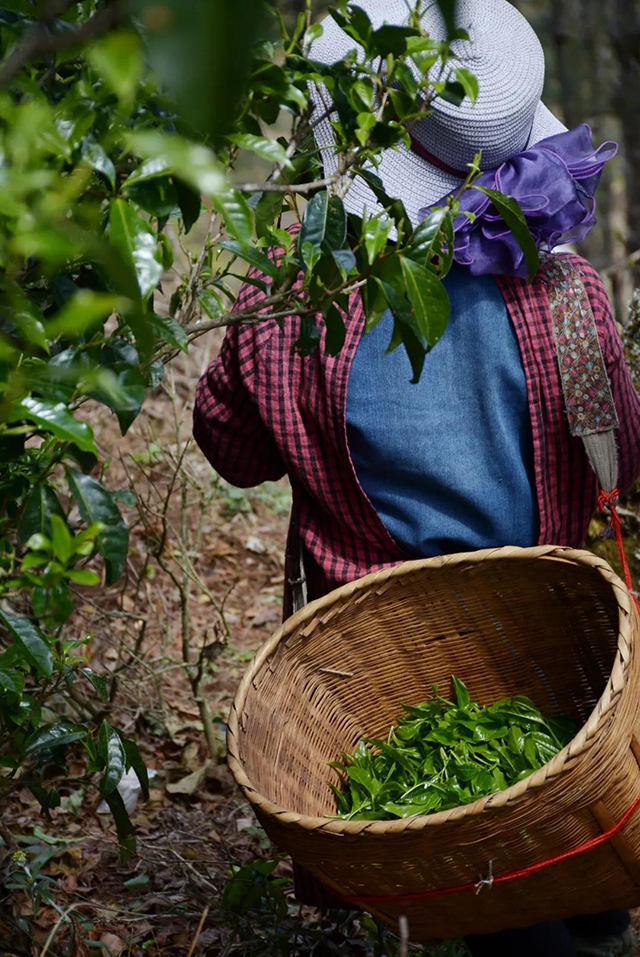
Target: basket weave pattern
(552, 623)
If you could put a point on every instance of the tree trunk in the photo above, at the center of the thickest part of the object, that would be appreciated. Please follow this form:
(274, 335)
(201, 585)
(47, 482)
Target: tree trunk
(625, 37)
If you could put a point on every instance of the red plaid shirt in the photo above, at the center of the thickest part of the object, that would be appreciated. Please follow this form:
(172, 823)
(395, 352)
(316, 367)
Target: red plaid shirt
(263, 411)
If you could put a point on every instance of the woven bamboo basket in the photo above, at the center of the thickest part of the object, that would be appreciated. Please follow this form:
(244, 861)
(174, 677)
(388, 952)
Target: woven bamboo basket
(555, 624)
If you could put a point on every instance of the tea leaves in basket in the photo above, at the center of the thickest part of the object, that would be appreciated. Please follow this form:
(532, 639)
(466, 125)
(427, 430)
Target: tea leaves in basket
(443, 754)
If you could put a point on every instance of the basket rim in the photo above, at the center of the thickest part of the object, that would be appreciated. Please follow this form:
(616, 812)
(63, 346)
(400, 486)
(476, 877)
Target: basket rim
(494, 801)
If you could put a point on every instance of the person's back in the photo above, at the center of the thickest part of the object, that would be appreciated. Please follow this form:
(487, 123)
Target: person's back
(478, 453)
(447, 462)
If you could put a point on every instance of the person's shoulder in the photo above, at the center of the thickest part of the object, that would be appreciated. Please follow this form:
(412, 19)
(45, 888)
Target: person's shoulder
(588, 273)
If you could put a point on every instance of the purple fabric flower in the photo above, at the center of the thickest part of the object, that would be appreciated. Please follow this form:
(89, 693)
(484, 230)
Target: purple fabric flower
(553, 181)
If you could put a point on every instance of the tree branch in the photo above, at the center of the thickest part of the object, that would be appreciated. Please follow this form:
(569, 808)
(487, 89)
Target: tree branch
(317, 184)
(38, 42)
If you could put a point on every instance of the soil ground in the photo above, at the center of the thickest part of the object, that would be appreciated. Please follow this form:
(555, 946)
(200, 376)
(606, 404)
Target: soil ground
(166, 900)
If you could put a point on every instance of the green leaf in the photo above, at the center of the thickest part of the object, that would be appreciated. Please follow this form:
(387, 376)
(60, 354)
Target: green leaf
(365, 92)
(42, 502)
(394, 207)
(39, 542)
(336, 330)
(265, 148)
(61, 540)
(360, 776)
(375, 236)
(510, 210)
(27, 321)
(171, 331)
(404, 810)
(117, 57)
(309, 337)
(268, 211)
(355, 23)
(345, 260)
(124, 828)
(314, 33)
(211, 303)
(54, 735)
(452, 92)
(189, 201)
(192, 162)
(111, 750)
(157, 167)
(82, 311)
(433, 242)
(324, 222)
(233, 207)
(406, 329)
(57, 418)
(134, 238)
(314, 220)
(48, 798)
(135, 761)
(11, 680)
(98, 159)
(137, 882)
(255, 257)
(336, 224)
(311, 255)
(468, 81)
(97, 504)
(83, 576)
(391, 39)
(462, 695)
(99, 682)
(429, 300)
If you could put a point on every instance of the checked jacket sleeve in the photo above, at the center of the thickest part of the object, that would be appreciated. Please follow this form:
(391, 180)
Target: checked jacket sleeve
(227, 424)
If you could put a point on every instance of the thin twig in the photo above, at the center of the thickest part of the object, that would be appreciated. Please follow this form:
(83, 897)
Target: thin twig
(38, 42)
(205, 912)
(403, 927)
(49, 939)
(313, 187)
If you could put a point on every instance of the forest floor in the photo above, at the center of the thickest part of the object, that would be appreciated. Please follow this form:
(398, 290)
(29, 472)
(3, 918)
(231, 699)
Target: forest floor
(195, 540)
(204, 577)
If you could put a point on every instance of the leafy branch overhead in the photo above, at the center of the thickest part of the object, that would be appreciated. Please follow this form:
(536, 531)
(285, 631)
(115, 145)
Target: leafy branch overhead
(152, 154)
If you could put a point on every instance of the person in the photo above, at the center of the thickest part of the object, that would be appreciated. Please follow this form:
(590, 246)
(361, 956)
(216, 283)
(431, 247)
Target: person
(478, 453)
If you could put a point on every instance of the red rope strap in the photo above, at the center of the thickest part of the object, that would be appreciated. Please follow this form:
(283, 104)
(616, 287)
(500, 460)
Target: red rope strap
(609, 500)
(502, 878)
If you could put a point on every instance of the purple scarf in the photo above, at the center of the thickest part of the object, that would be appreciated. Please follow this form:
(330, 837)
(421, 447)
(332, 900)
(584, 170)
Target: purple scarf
(554, 182)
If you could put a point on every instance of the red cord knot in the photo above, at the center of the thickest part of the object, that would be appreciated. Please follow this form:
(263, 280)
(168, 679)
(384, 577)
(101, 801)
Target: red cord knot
(608, 499)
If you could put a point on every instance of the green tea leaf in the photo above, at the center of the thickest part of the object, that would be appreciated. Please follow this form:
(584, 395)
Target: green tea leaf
(134, 238)
(266, 149)
(57, 418)
(462, 695)
(468, 81)
(255, 257)
(509, 208)
(429, 299)
(441, 755)
(42, 502)
(97, 504)
(54, 735)
(233, 207)
(125, 829)
(31, 642)
(111, 750)
(135, 761)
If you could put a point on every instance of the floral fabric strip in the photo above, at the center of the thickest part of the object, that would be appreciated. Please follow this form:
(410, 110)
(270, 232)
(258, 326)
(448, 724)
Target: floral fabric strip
(585, 383)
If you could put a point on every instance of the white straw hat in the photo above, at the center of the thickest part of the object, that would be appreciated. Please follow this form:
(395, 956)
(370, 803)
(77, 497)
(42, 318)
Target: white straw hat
(507, 59)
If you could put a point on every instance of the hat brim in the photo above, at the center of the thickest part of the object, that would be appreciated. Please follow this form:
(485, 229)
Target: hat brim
(409, 177)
